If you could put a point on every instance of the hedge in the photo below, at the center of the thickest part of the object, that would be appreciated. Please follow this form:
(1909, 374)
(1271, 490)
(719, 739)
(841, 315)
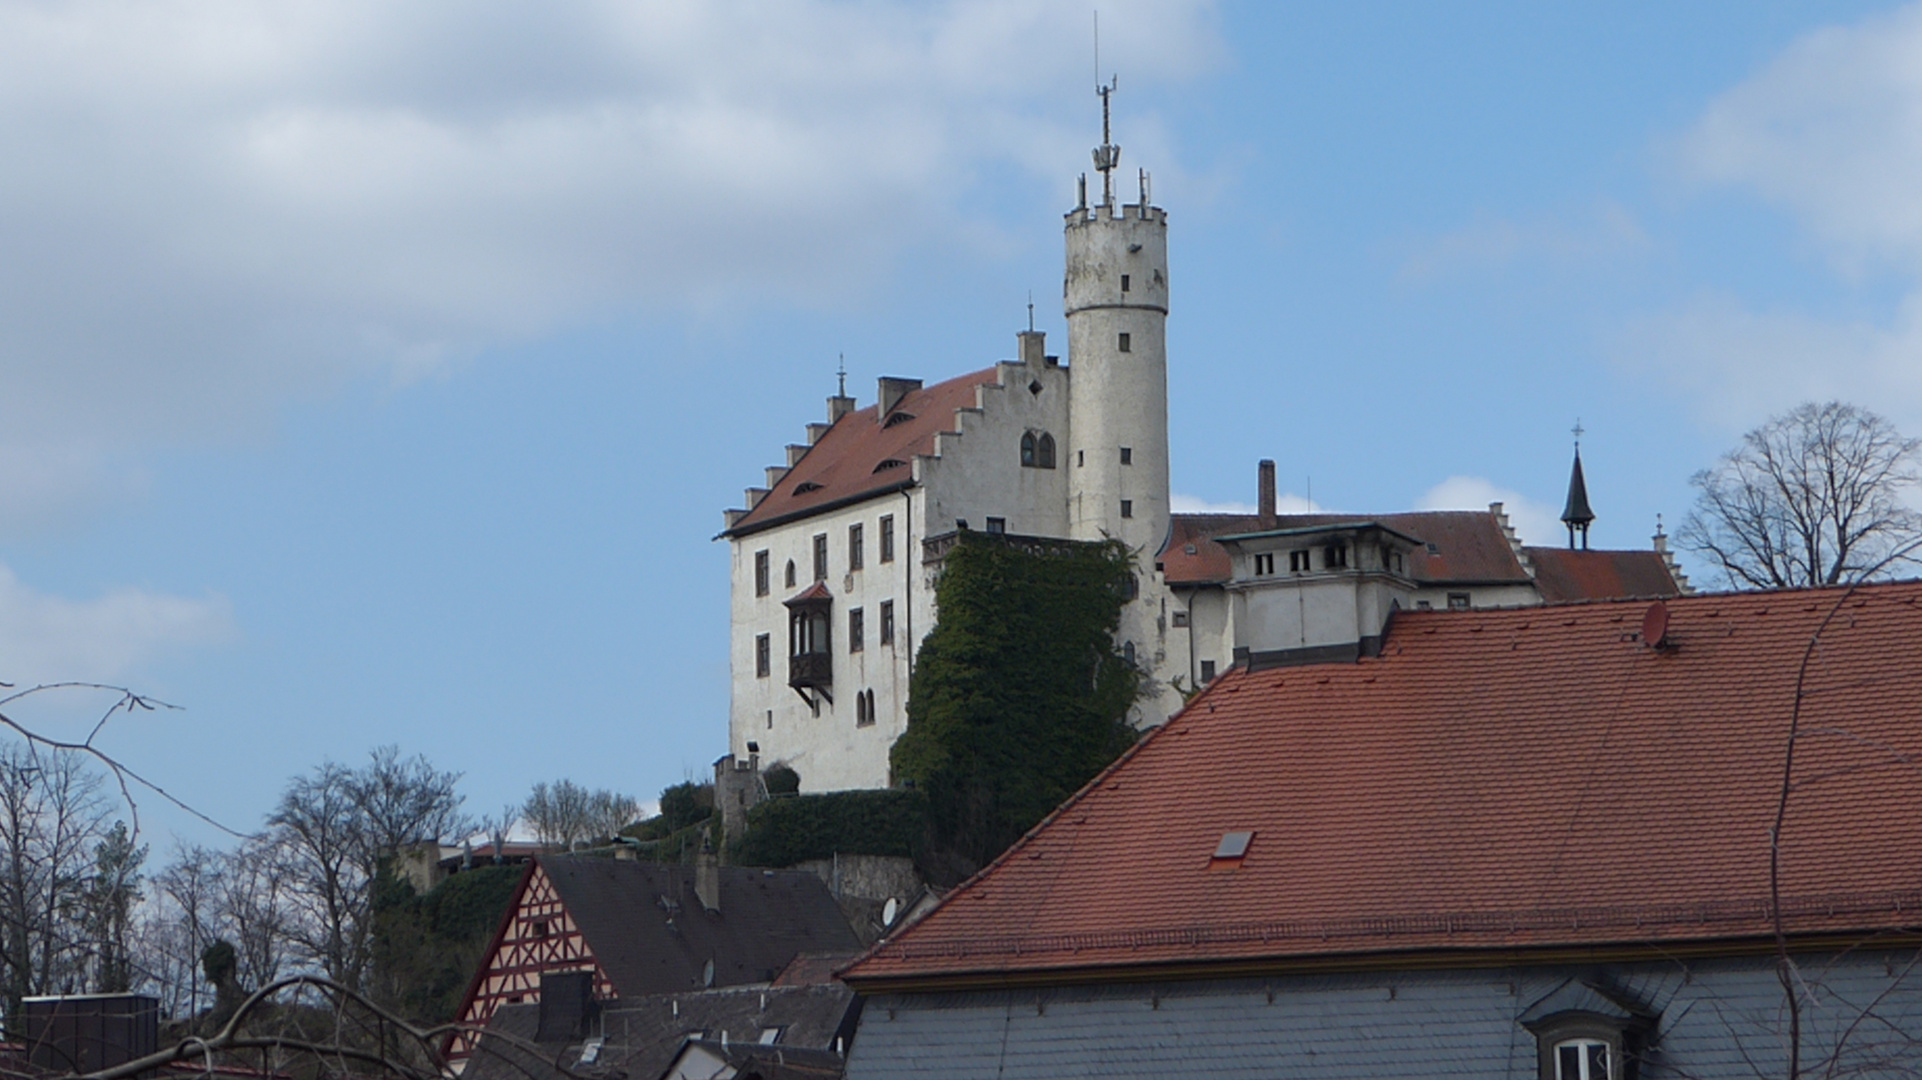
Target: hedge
(782, 832)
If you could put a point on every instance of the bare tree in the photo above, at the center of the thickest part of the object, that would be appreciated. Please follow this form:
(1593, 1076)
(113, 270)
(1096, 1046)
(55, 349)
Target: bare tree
(1812, 497)
(564, 812)
(51, 814)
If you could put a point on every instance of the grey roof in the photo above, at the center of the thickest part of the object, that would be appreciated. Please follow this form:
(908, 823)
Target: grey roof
(643, 1035)
(752, 1061)
(651, 934)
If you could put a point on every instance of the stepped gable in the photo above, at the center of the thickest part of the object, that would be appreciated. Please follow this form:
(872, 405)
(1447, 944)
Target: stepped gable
(1565, 574)
(1469, 546)
(651, 934)
(1495, 781)
(844, 464)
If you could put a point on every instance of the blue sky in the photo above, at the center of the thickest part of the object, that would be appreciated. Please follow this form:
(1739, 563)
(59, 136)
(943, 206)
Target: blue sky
(379, 375)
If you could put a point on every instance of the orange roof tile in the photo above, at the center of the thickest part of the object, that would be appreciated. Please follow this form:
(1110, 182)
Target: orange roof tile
(851, 460)
(1495, 779)
(1469, 545)
(1563, 575)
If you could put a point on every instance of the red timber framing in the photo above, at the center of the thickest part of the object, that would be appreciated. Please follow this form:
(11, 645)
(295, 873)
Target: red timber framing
(537, 937)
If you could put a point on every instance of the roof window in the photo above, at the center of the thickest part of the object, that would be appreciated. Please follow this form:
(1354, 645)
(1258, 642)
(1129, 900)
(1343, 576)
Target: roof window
(890, 463)
(898, 418)
(1233, 845)
(806, 486)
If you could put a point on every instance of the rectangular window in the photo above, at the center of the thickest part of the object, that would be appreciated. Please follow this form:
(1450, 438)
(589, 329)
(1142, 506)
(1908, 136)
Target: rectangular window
(997, 525)
(763, 656)
(1207, 671)
(821, 557)
(1127, 508)
(1127, 455)
(761, 580)
(887, 537)
(887, 622)
(1298, 562)
(1458, 601)
(855, 554)
(1124, 283)
(1181, 618)
(1334, 556)
(856, 638)
(1125, 344)
(1264, 563)
(1080, 458)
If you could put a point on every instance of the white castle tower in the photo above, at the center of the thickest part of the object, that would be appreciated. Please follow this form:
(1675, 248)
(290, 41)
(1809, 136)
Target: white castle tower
(1116, 300)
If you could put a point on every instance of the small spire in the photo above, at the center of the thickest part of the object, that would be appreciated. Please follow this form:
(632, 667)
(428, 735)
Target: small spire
(1576, 513)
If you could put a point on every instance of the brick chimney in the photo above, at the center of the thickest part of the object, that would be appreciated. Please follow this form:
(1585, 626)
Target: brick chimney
(1266, 495)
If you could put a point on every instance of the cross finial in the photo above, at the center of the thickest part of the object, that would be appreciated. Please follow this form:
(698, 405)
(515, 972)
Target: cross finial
(1579, 431)
(843, 373)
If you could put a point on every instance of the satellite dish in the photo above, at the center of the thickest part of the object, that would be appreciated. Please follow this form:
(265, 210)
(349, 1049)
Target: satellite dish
(707, 974)
(1655, 625)
(889, 910)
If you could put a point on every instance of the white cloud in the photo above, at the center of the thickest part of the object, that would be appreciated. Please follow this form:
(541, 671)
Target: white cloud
(1285, 503)
(1605, 230)
(1534, 522)
(45, 638)
(211, 208)
(1831, 133)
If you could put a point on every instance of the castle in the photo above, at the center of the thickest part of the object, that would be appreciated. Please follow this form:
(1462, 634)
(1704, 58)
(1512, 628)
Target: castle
(833, 558)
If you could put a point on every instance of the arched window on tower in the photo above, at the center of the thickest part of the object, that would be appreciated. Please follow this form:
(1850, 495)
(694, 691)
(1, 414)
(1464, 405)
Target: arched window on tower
(790, 573)
(1044, 451)
(1028, 451)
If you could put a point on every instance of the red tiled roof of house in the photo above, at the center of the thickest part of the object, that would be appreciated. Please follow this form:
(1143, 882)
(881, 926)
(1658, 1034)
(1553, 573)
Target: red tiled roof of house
(1505, 779)
(850, 460)
(1563, 575)
(1469, 545)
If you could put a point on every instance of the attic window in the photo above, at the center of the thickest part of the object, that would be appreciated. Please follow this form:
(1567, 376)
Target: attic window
(897, 418)
(889, 463)
(1233, 845)
(806, 486)
(1187, 549)
(1432, 549)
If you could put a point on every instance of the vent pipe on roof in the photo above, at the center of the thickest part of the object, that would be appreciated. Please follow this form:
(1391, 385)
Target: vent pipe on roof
(1266, 494)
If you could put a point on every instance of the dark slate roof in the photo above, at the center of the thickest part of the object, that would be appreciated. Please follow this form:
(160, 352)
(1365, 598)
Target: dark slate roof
(1469, 545)
(643, 1035)
(1576, 511)
(1565, 575)
(651, 934)
(752, 1061)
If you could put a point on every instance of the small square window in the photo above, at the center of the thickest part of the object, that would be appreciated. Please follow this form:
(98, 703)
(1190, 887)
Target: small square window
(763, 656)
(887, 537)
(857, 638)
(1181, 618)
(961, 524)
(1458, 601)
(887, 622)
(1125, 344)
(1127, 455)
(762, 574)
(1127, 508)
(997, 525)
(540, 928)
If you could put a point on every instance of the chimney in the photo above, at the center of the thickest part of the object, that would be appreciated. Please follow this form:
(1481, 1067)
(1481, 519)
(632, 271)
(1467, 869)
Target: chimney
(892, 391)
(707, 876)
(1034, 347)
(567, 1003)
(838, 406)
(1266, 495)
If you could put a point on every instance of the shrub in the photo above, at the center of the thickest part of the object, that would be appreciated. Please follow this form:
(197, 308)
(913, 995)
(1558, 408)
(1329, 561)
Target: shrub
(782, 832)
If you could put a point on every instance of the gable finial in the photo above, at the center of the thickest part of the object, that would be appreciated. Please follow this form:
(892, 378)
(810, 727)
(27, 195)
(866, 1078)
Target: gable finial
(1579, 431)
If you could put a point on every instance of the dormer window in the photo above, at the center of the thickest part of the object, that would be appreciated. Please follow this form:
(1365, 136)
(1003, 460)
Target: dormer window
(1588, 1031)
(890, 463)
(806, 486)
(1334, 556)
(1582, 1059)
(897, 418)
(1298, 562)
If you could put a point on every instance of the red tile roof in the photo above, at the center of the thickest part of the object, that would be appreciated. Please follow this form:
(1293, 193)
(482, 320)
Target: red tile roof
(846, 462)
(1469, 544)
(1494, 780)
(1563, 575)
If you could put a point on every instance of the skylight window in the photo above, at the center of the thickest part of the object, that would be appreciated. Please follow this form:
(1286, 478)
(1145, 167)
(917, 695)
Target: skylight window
(1233, 845)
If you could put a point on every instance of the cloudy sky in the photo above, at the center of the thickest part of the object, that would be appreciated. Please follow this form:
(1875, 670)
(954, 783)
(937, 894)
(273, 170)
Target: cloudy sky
(378, 373)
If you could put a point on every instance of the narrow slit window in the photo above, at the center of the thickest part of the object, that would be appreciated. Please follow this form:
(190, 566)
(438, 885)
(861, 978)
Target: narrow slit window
(762, 574)
(887, 622)
(857, 636)
(1127, 508)
(1124, 283)
(1125, 344)
(856, 554)
(790, 573)
(887, 537)
(763, 656)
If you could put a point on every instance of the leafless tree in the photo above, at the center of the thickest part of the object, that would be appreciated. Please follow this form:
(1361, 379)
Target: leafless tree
(51, 814)
(1812, 497)
(564, 812)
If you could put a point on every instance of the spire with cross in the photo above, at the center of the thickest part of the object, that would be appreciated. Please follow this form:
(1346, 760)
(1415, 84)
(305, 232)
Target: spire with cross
(1575, 512)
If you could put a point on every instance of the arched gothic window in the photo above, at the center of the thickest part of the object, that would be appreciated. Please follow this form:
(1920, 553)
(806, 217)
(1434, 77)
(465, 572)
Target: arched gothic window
(1044, 451)
(790, 573)
(1027, 450)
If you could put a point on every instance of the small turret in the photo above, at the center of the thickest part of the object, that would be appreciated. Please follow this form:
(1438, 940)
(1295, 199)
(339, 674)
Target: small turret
(1575, 513)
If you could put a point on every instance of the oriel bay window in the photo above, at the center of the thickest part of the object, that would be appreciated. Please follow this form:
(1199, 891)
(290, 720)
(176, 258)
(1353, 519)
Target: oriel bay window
(810, 667)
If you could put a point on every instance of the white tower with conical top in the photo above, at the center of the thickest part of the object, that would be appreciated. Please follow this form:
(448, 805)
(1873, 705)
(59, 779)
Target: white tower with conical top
(1116, 299)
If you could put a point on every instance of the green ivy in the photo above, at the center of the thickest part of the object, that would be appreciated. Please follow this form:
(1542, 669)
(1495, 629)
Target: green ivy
(1019, 695)
(427, 947)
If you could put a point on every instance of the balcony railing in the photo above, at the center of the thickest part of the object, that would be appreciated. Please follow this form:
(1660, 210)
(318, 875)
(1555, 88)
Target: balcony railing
(810, 670)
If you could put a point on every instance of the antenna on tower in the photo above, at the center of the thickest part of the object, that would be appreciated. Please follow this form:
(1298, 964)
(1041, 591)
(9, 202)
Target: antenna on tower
(1106, 156)
(1030, 311)
(843, 374)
